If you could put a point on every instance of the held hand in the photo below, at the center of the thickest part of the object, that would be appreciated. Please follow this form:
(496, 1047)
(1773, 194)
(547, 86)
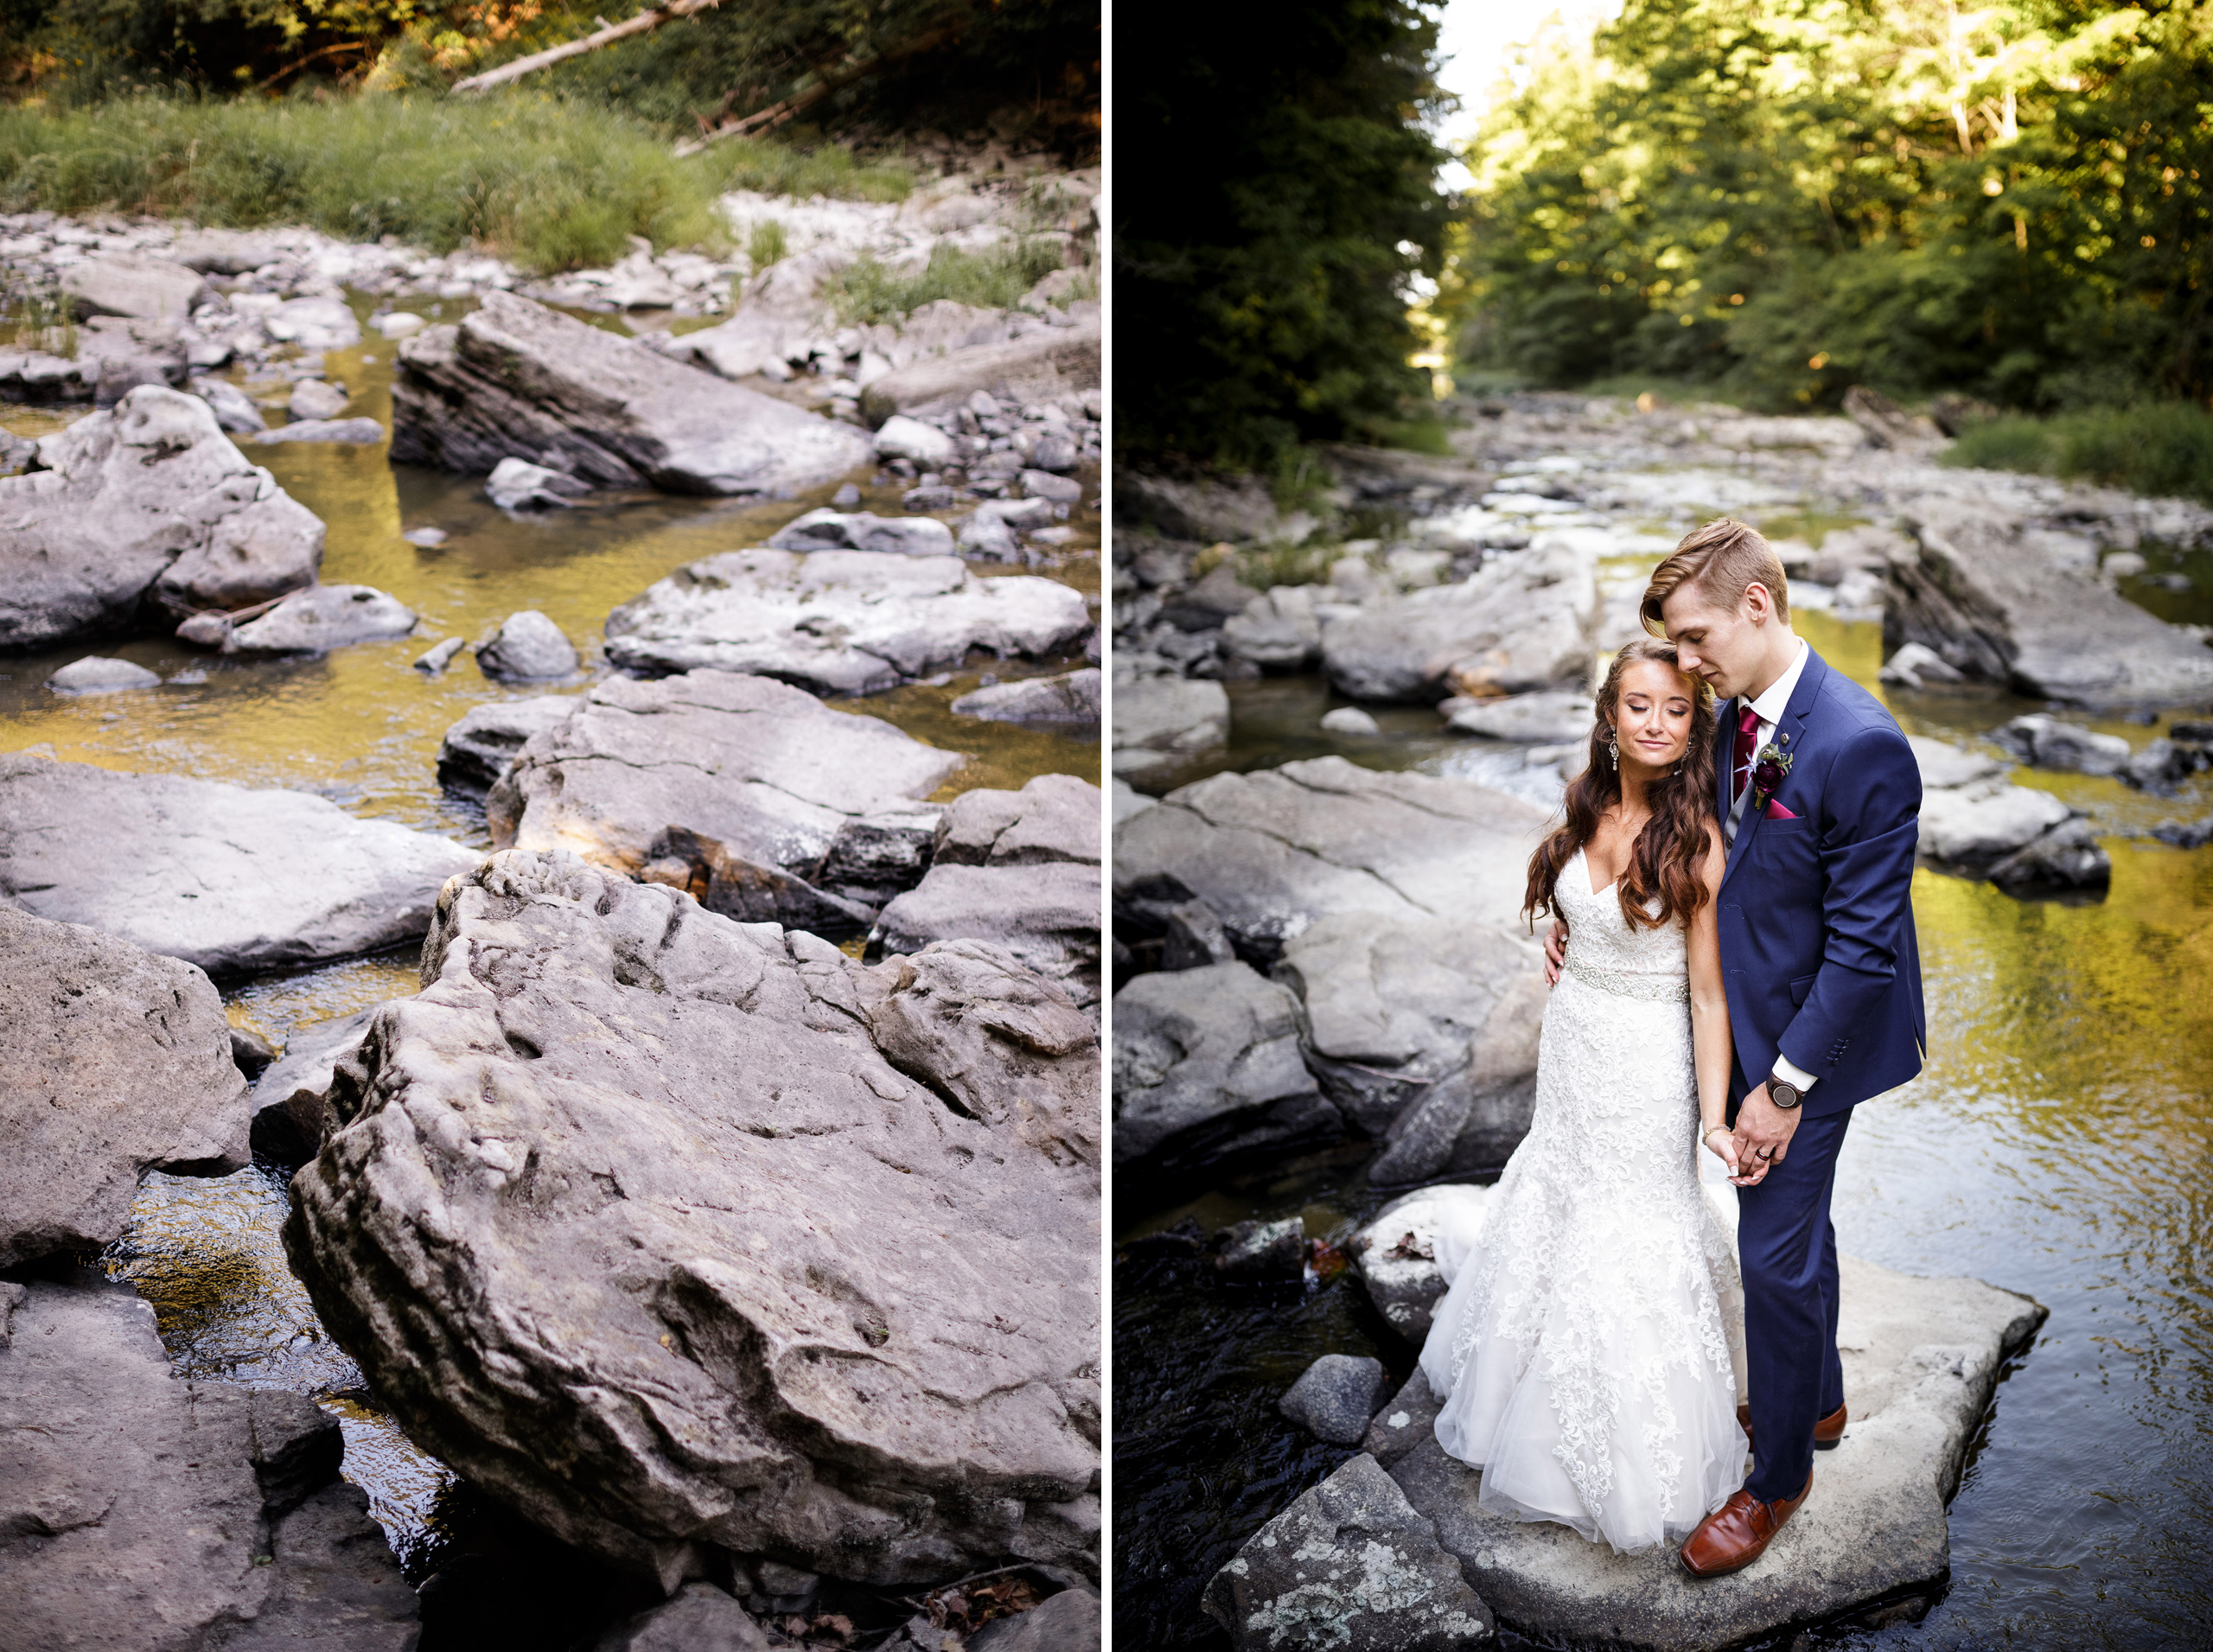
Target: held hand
(1555, 951)
(1763, 1133)
(1722, 1144)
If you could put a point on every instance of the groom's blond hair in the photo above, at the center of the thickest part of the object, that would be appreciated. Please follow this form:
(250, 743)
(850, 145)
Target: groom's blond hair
(1720, 560)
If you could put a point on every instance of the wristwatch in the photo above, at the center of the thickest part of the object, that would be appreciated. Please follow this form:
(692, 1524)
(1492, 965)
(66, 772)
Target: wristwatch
(1783, 1092)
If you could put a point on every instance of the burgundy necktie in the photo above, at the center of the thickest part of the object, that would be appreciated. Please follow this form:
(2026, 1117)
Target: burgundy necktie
(1748, 726)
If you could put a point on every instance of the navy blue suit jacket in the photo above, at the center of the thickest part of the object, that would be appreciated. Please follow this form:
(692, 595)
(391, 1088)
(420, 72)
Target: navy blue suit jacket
(1818, 950)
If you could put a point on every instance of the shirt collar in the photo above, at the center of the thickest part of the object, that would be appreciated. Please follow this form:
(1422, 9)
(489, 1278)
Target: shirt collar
(1770, 706)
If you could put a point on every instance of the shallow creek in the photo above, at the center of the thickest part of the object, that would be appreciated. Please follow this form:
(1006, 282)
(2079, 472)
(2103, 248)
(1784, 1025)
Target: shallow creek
(2058, 1143)
(362, 727)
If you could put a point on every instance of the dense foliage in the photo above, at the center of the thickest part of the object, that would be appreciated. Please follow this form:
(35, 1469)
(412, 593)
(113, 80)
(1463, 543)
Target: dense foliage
(1786, 197)
(1275, 197)
(979, 59)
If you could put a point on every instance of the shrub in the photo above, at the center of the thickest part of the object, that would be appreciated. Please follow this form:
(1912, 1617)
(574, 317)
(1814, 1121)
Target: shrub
(2164, 450)
(868, 292)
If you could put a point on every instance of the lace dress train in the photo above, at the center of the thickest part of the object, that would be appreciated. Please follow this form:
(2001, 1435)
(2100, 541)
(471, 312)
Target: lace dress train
(1589, 1351)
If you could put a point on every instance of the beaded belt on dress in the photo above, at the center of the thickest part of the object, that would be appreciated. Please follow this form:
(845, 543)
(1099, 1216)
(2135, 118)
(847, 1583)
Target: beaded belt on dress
(1632, 983)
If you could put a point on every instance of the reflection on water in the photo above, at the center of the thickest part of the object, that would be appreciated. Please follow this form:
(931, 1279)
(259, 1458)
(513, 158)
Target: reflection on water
(2059, 1142)
(410, 1492)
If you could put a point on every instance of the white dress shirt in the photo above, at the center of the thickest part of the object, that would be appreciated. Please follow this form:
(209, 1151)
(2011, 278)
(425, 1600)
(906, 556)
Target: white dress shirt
(1769, 707)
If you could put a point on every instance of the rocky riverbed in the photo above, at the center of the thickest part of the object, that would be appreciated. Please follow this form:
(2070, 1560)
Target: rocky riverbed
(279, 779)
(1337, 729)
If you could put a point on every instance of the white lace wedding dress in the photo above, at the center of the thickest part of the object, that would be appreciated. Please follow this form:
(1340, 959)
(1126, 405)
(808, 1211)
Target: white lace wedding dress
(1589, 1352)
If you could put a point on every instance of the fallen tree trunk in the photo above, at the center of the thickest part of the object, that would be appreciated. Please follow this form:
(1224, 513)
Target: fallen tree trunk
(776, 114)
(646, 20)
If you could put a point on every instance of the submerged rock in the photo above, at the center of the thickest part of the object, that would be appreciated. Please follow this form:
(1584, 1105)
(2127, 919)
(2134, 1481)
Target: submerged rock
(1207, 1070)
(1996, 604)
(517, 484)
(1973, 821)
(1349, 1566)
(514, 374)
(1335, 1396)
(2047, 743)
(1036, 702)
(1920, 1362)
(836, 1304)
(838, 622)
(477, 750)
(112, 1062)
(229, 879)
(1261, 1250)
(139, 1511)
(528, 647)
(320, 618)
(100, 675)
(759, 798)
(144, 511)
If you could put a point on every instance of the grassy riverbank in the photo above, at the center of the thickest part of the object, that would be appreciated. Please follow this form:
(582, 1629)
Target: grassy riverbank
(551, 183)
(2163, 450)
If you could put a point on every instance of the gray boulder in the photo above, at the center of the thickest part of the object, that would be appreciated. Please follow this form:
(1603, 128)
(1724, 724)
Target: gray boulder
(1335, 1397)
(227, 878)
(1274, 850)
(688, 1262)
(339, 432)
(527, 648)
(1394, 1256)
(1070, 699)
(1439, 1016)
(901, 437)
(1520, 623)
(317, 398)
(1543, 719)
(828, 530)
(477, 750)
(139, 1511)
(1163, 721)
(1917, 666)
(1035, 367)
(1981, 591)
(234, 409)
(2046, 742)
(1068, 1622)
(759, 798)
(1261, 1251)
(1920, 1362)
(323, 617)
(145, 510)
(701, 1619)
(1053, 817)
(1207, 1069)
(291, 1099)
(2067, 857)
(609, 411)
(133, 285)
(315, 324)
(1351, 721)
(1971, 815)
(516, 484)
(225, 252)
(838, 622)
(1278, 631)
(1043, 484)
(100, 675)
(1350, 1567)
(112, 1062)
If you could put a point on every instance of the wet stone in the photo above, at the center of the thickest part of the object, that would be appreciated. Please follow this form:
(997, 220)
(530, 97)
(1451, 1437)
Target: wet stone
(1261, 1251)
(1335, 1397)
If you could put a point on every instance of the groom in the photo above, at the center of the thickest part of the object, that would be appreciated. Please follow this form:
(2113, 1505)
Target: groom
(1819, 796)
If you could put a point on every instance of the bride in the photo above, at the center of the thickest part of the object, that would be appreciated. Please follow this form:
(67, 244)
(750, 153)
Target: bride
(1589, 1352)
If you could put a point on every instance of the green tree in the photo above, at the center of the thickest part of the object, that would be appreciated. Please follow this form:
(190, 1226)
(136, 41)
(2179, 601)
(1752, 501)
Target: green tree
(1275, 199)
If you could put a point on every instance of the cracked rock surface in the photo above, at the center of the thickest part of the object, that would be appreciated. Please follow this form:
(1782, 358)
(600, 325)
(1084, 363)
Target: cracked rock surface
(678, 1233)
(142, 514)
(764, 802)
(229, 879)
(112, 1062)
(838, 622)
(140, 1512)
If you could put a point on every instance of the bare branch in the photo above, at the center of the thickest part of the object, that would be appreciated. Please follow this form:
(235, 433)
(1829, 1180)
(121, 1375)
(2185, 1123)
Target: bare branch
(776, 114)
(646, 20)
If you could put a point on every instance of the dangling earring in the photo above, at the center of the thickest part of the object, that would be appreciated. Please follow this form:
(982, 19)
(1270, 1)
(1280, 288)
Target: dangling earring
(1613, 753)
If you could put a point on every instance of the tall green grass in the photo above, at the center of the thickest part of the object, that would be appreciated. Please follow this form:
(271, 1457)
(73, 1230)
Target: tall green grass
(867, 291)
(2163, 450)
(553, 184)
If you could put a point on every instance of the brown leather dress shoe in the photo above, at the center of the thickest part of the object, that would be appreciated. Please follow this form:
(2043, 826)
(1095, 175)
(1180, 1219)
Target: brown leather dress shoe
(1736, 1534)
(1827, 1431)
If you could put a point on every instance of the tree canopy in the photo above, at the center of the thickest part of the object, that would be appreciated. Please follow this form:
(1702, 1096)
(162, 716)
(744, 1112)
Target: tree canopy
(1789, 197)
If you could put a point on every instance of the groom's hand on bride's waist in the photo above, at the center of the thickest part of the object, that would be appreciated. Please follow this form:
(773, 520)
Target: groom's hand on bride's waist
(1555, 951)
(1764, 1132)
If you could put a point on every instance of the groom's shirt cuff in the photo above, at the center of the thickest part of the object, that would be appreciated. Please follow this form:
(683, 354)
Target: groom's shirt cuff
(1793, 1074)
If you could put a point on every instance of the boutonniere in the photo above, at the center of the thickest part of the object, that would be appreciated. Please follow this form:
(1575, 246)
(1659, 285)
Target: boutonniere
(1767, 769)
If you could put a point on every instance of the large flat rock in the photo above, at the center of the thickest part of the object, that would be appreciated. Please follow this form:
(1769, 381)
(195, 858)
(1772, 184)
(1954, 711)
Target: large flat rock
(137, 1511)
(693, 779)
(2006, 604)
(112, 1062)
(1028, 368)
(838, 621)
(1274, 850)
(515, 378)
(229, 879)
(1526, 620)
(1921, 1363)
(678, 1234)
(143, 514)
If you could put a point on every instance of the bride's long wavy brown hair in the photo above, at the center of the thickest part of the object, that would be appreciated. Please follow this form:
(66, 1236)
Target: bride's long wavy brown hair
(1673, 842)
